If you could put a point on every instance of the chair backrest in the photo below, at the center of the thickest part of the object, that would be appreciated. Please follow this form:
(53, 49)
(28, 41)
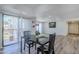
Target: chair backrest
(51, 42)
(27, 35)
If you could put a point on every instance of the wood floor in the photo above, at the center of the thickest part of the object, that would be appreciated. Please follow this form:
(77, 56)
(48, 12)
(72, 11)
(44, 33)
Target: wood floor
(67, 44)
(63, 45)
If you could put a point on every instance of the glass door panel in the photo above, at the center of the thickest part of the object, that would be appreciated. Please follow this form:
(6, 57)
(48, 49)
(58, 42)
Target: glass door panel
(10, 34)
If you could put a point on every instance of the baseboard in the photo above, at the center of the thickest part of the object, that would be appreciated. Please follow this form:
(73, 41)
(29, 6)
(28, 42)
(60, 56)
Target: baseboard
(73, 34)
(61, 35)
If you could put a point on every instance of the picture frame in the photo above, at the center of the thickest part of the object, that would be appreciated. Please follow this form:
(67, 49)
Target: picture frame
(52, 24)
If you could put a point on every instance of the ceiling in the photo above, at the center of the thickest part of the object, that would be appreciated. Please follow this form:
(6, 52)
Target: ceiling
(52, 11)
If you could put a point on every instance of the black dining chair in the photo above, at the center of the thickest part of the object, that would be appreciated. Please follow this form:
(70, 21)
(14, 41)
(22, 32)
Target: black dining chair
(48, 49)
(27, 40)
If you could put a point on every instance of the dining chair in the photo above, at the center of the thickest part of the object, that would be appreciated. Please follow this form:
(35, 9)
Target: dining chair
(48, 49)
(27, 40)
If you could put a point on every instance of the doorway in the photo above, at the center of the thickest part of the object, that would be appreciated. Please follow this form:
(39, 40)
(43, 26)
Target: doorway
(73, 28)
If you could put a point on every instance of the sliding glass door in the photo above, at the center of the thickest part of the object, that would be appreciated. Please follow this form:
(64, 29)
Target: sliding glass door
(10, 33)
(13, 28)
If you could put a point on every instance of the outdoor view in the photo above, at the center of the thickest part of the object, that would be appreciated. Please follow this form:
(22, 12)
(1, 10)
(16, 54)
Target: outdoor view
(10, 29)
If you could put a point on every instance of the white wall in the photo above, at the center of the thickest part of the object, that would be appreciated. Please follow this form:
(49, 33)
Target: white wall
(0, 30)
(24, 25)
(61, 28)
(27, 25)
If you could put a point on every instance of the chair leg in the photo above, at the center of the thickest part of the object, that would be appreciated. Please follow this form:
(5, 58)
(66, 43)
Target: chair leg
(29, 48)
(42, 50)
(24, 45)
(35, 46)
(21, 50)
(53, 52)
(21, 45)
(37, 51)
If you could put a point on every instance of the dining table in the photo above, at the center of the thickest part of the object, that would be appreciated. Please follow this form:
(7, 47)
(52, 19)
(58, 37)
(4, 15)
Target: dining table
(40, 40)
